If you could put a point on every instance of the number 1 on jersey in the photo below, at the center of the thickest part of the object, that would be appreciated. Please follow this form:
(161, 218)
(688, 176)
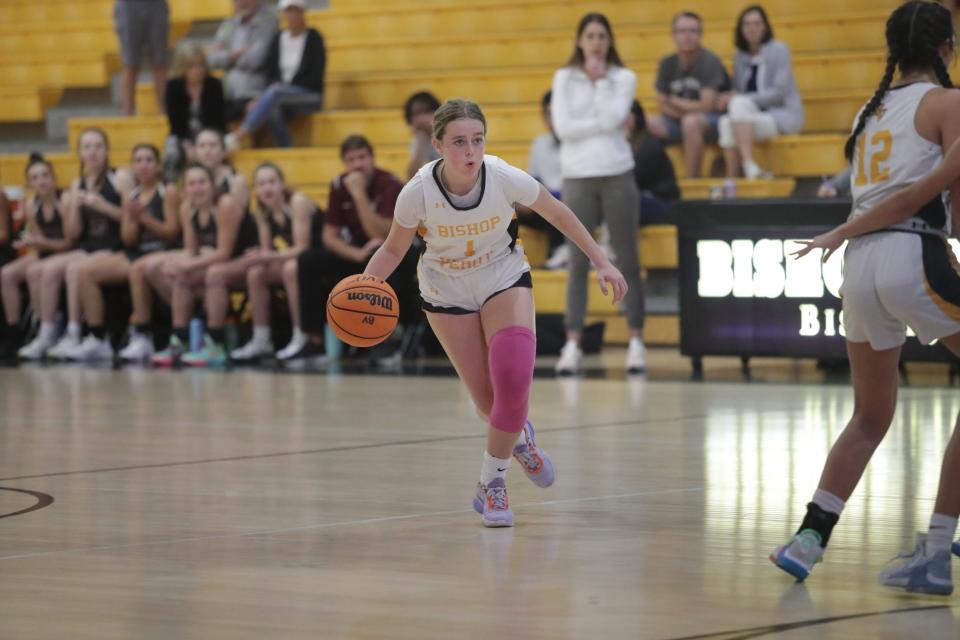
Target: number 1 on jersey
(878, 174)
(469, 248)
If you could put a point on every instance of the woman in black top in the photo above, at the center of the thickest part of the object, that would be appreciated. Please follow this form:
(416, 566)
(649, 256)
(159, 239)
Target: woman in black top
(652, 171)
(295, 65)
(285, 221)
(147, 226)
(44, 234)
(209, 236)
(194, 102)
(93, 206)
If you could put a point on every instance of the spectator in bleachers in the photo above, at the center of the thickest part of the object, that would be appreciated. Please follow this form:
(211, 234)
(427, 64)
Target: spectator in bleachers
(92, 225)
(418, 112)
(147, 227)
(591, 100)
(688, 83)
(139, 23)
(765, 101)
(295, 64)
(836, 187)
(43, 237)
(362, 200)
(194, 102)
(210, 230)
(285, 221)
(544, 165)
(653, 172)
(239, 48)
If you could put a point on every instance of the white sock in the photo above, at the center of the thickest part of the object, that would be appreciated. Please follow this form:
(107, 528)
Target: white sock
(828, 502)
(940, 535)
(492, 468)
(47, 330)
(73, 330)
(261, 335)
(298, 336)
(522, 438)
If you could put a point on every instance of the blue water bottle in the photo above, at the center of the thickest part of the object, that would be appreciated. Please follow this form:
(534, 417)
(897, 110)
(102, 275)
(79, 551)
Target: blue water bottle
(196, 334)
(332, 344)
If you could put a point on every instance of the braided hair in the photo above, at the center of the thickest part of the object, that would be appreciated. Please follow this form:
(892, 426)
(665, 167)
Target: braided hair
(915, 30)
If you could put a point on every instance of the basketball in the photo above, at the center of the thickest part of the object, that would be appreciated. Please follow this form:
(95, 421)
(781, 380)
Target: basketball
(362, 310)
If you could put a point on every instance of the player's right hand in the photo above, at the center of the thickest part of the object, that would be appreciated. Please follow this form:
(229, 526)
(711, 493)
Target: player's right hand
(829, 242)
(610, 275)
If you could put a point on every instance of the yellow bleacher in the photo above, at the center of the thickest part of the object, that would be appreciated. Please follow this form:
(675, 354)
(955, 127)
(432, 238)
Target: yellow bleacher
(347, 20)
(26, 104)
(805, 155)
(637, 44)
(50, 45)
(501, 53)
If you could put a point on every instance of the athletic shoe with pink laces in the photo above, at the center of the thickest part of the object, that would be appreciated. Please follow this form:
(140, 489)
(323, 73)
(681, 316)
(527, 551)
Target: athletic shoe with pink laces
(492, 504)
(535, 461)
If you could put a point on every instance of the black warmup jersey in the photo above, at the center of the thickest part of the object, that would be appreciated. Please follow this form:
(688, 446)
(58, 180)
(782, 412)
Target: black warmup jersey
(207, 235)
(100, 231)
(51, 229)
(149, 241)
(281, 233)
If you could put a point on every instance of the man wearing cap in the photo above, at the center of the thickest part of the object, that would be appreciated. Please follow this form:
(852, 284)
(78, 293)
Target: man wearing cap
(295, 64)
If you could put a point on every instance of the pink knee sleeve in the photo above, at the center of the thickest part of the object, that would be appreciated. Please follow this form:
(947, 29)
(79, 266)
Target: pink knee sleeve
(511, 355)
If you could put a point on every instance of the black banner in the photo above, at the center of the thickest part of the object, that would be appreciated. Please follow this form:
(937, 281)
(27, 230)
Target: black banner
(743, 294)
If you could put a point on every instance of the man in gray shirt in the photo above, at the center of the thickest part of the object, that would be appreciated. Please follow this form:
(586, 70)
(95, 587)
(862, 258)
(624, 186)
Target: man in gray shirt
(240, 46)
(688, 83)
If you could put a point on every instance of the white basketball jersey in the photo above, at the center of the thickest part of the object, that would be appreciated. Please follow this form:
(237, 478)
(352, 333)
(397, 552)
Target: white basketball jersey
(461, 240)
(890, 155)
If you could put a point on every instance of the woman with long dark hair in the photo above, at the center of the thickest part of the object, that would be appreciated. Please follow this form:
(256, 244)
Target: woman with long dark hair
(900, 274)
(591, 100)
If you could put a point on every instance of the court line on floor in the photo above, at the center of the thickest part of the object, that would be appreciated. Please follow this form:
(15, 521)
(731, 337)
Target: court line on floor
(43, 500)
(357, 447)
(341, 523)
(757, 632)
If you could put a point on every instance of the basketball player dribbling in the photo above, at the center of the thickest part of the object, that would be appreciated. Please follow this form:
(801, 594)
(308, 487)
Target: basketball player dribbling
(476, 286)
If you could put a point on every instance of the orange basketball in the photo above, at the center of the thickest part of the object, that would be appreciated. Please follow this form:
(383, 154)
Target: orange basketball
(362, 310)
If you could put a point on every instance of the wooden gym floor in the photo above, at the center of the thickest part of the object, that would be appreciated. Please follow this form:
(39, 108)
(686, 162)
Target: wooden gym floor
(202, 504)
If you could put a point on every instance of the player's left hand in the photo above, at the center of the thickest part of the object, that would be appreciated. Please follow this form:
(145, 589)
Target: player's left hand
(829, 242)
(610, 277)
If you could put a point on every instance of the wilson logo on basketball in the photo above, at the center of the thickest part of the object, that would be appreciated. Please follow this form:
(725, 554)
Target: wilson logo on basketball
(373, 299)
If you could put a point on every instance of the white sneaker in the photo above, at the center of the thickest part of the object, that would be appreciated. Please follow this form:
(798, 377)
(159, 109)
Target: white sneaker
(253, 350)
(297, 343)
(752, 171)
(37, 348)
(64, 346)
(92, 349)
(570, 357)
(559, 259)
(139, 349)
(636, 356)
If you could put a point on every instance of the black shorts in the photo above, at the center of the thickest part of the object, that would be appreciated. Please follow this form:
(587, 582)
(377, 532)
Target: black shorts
(525, 281)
